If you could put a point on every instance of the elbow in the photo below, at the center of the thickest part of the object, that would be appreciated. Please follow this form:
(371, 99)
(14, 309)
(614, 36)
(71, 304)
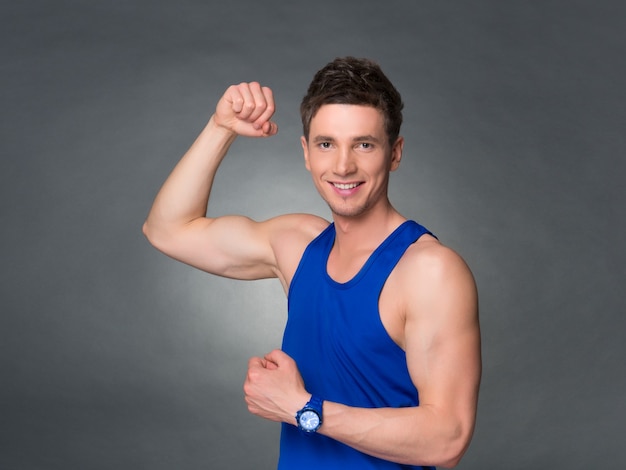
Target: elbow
(155, 236)
(452, 450)
(148, 232)
(448, 450)
(450, 461)
(145, 229)
(448, 457)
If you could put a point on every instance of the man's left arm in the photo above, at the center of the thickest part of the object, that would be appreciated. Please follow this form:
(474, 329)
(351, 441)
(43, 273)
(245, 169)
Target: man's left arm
(442, 344)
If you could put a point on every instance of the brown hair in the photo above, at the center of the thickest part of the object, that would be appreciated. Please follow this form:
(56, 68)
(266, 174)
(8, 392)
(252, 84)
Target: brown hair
(349, 80)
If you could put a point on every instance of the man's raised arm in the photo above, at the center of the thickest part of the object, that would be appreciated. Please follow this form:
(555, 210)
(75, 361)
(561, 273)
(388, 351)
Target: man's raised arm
(177, 225)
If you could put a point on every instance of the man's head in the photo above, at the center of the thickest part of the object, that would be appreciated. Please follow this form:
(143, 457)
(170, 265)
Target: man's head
(349, 80)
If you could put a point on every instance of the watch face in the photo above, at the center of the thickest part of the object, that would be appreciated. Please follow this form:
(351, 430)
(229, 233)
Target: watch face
(309, 420)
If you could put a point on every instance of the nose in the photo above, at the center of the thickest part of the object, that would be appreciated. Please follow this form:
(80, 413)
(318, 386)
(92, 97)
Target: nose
(345, 163)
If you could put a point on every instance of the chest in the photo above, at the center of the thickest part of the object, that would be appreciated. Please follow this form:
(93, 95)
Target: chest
(391, 299)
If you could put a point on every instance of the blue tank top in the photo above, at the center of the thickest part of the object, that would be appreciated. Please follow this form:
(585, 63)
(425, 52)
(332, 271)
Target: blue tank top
(345, 355)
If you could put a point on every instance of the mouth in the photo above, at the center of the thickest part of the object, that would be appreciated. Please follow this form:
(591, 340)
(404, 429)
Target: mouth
(345, 186)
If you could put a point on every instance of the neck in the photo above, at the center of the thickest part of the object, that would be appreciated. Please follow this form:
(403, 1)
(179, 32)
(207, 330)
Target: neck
(367, 231)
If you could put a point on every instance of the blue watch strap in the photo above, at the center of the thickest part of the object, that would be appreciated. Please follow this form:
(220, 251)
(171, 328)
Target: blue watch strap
(316, 403)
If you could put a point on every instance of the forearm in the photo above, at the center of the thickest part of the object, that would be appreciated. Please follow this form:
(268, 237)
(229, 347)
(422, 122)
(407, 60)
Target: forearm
(185, 194)
(418, 435)
(422, 435)
(437, 432)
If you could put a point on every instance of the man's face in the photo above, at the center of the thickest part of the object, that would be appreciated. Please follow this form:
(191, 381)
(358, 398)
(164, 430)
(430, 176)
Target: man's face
(349, 157)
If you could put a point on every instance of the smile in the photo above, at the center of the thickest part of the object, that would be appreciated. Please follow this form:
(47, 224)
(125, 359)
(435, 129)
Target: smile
(345, 185)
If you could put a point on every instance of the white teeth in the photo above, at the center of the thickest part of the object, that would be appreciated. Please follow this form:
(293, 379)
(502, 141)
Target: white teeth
(345, 186)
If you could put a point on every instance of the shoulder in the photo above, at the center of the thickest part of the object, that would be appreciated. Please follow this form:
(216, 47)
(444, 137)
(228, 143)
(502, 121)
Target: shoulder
(429, 257)
(289, 235)
(434, 277)
(295, 228)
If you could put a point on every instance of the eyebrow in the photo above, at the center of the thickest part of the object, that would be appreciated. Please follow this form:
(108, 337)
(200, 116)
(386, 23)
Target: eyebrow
(360, 138)
(366, 138)
(322, 138)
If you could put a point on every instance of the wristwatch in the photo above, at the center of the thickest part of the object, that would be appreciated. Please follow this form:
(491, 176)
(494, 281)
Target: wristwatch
(309, 418)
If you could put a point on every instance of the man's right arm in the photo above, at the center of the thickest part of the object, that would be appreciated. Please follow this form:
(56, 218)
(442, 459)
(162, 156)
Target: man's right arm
(233, 246)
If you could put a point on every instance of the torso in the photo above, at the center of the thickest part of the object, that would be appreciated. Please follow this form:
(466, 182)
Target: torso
(292, 243)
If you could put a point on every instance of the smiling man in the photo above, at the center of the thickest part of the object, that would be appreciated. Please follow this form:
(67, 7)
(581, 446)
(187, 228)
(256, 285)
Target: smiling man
(380, 362)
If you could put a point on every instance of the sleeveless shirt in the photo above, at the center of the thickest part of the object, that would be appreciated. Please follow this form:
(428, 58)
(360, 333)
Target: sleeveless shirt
(345, 355)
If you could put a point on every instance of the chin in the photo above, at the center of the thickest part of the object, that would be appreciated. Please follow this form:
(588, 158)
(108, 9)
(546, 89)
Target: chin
(347, 211)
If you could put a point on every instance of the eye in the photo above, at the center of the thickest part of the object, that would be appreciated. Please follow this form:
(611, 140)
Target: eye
(324, 145)
(365, 145)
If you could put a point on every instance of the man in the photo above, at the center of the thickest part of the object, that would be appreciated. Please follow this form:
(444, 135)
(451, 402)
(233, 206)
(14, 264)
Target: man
(380, 363)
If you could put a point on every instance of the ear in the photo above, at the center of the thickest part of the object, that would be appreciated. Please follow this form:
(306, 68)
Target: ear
(305, 149)
(396, 153)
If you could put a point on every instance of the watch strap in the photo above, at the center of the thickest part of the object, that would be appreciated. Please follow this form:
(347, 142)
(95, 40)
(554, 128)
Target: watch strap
(316, 403)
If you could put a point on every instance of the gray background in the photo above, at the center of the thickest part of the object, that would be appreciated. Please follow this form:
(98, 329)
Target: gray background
(114, 356)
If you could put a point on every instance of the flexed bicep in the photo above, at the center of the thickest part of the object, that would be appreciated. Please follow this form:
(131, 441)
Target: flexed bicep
(177, 223)
(232, 246)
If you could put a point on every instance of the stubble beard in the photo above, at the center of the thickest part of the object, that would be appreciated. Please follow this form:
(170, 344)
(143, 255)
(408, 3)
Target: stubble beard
(347, 210)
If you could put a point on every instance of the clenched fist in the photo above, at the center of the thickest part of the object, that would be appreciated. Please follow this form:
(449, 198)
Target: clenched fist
(246, 109)
(274, 388)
